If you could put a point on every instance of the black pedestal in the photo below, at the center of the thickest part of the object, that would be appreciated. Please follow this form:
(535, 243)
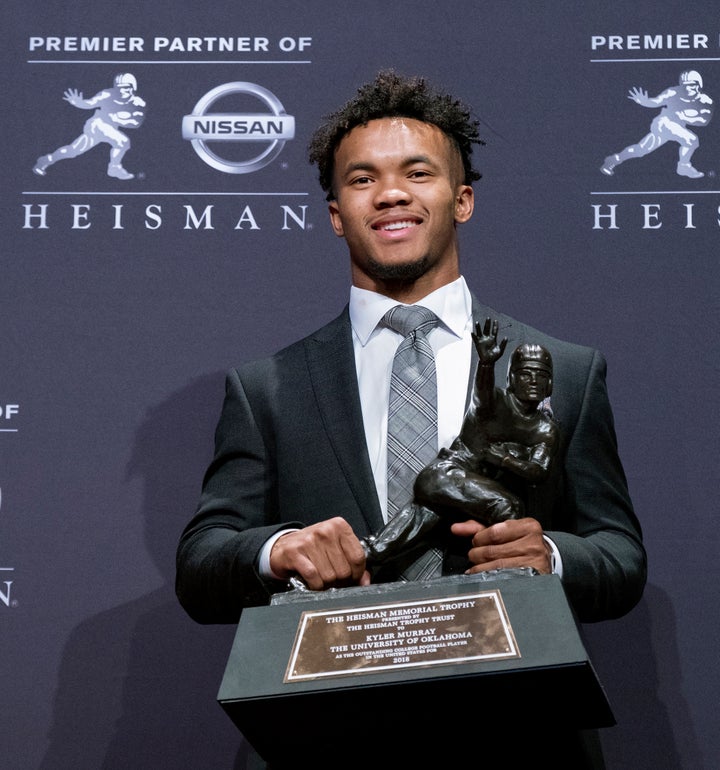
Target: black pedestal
(445, 656)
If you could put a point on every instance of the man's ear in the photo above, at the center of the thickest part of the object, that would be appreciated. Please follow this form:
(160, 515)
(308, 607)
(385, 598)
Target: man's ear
(336, 219)
(464, 203)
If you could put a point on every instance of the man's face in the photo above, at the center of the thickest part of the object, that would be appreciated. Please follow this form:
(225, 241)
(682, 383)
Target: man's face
(398, 196)
(531, 381)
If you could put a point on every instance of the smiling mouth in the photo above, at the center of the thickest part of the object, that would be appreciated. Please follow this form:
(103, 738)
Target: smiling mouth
(401, 225)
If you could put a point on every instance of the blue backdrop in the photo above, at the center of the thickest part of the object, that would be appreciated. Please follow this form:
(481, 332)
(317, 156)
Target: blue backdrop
(124, 301)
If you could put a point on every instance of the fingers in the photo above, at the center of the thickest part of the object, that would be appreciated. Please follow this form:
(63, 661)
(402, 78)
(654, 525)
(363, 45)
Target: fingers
(485, 330)
(509, 544)
(466, 528)
(323, 555)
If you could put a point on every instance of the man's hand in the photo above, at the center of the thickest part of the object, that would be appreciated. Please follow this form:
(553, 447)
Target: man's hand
(324, 555)
(513, 543)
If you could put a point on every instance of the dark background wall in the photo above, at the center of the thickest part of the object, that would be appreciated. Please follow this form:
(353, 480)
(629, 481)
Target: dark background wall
(120, 316)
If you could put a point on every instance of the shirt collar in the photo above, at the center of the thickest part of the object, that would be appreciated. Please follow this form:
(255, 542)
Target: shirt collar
(451, 303)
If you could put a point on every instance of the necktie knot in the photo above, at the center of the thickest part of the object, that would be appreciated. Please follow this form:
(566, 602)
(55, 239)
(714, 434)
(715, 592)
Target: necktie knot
(409, 318)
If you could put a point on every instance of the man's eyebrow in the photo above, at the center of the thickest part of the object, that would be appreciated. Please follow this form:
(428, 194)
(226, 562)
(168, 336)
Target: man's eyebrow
(358, 165)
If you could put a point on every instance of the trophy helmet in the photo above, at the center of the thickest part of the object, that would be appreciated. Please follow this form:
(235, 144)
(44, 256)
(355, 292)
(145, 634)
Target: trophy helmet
(530, 353)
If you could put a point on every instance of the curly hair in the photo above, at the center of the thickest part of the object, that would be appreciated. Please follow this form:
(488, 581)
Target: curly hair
(392, 95)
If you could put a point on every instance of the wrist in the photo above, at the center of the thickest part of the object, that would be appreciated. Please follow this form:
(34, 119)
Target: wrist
(263, 562)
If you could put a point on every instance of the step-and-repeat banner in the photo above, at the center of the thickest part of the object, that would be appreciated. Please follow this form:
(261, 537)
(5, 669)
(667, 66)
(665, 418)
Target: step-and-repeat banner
(161, 223)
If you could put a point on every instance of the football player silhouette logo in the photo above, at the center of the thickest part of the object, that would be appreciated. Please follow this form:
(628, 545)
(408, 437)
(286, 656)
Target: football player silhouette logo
(114, 109)
(680, 106)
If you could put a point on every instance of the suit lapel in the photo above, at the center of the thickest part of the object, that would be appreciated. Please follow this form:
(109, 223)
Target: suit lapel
(331, 364)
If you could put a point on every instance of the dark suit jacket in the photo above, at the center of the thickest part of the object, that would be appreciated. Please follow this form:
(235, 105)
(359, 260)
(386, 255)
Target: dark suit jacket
(290, 450)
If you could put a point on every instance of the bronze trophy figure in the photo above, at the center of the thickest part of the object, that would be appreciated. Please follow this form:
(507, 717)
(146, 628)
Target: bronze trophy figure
(508, 440)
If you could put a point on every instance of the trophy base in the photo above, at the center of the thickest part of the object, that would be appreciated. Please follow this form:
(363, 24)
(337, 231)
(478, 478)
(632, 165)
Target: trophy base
(447, 656)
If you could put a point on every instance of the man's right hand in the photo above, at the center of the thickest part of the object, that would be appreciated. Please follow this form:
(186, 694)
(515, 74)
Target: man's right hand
(323, 555)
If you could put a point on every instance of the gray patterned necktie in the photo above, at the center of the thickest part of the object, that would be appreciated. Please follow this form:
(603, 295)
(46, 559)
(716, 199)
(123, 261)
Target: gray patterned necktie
(412, 416)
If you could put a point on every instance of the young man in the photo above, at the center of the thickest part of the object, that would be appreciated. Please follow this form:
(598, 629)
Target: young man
(298, 482)
(298, 476)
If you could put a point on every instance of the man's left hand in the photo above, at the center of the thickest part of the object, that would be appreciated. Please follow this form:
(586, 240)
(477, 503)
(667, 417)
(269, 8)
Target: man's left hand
(508, 544)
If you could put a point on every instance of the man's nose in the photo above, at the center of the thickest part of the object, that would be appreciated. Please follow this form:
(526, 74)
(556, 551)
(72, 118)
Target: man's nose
(392, 193)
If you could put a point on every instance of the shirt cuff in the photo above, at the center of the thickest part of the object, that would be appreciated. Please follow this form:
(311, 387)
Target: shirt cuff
(264, 556)
(555, 558)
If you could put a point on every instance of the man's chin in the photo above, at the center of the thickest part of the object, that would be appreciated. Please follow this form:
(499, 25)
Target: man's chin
(399, 272)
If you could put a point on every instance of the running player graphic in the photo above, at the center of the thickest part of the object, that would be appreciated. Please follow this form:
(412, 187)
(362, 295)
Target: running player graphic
(680, 106)
(115, 108)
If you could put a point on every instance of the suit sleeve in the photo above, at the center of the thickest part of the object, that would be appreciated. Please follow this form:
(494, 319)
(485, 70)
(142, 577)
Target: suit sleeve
(216, 573)
(604, 561)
